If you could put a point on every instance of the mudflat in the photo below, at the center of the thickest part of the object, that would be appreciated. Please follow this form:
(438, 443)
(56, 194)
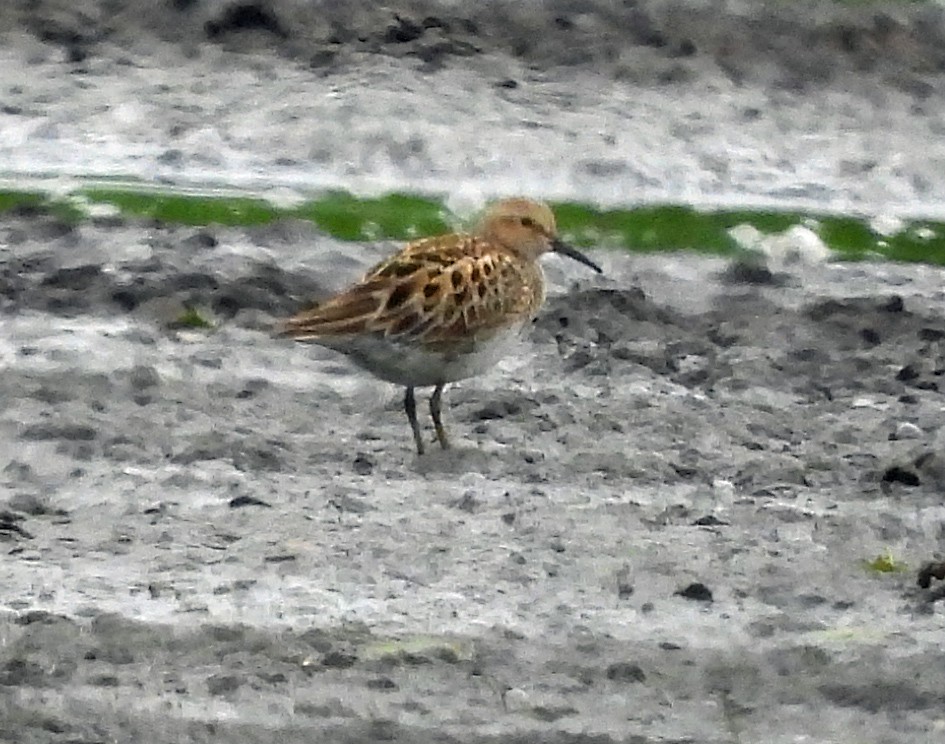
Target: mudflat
(691, 509)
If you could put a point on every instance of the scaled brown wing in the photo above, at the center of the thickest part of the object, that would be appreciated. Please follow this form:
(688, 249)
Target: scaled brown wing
(345, 314)
(435, 291)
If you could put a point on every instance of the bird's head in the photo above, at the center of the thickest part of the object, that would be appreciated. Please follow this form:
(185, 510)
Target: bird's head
(527, 228)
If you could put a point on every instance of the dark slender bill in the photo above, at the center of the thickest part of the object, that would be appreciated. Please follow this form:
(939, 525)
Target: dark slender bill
(564, 249)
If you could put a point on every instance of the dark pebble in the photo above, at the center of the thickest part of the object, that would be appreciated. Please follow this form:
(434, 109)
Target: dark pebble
(870, 337)
(931, 571)
(896, 474)
(201, 240)
(697, 592)
(70, 432)
(498, 409)
(363, 464)
(382, 683)
(931, 334)
(709, 521)
(245, 16)
(221, 684)
(403, 31)
(467, 503)
(143, 377)
(338, 660)
(625, 671)
(907, 373)
(78, 279)
(284, 558)
(241, 501)
(29, 503)
(894, 304)
(750, 272)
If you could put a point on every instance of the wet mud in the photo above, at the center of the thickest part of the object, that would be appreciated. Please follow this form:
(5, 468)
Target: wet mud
(660, 522)
(696, 507)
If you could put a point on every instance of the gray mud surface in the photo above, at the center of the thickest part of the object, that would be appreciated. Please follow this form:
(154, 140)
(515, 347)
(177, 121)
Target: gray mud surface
(655, 525)
(216, 535)
(799, 103)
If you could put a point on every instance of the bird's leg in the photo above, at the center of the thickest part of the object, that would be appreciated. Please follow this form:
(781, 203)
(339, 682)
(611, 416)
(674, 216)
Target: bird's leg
(435, 411)
(410, 406)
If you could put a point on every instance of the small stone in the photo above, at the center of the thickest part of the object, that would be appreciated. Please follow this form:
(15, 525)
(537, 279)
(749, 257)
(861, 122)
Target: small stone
(709, 521)
(894, 304)
(624, 671)
(338, 660)
(345, 503)
(383, 684)
(515, 699)
(171, 156)
(896, 474)
(323, 58)
(497, 409)
(241, 501)
(929, 571)
(77, 279)
(467, 502)
(931, 334)
(28, 503)
(142, 377)
(697, 592)
(201, 240)
(70, 432)
(870, 337)
(9, 526)
(18, 470)
(403, 31)
(907, 430)
(907, 373)
(750, 271)
(221, 684)
(363, 464)
(281, 558)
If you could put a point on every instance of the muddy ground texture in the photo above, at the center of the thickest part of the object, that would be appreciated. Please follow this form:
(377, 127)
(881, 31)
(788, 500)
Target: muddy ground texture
(654, 526)
(820, 106)
(656, 523)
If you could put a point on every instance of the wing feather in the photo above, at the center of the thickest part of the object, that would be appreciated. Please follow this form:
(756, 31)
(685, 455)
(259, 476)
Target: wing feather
(435, 292)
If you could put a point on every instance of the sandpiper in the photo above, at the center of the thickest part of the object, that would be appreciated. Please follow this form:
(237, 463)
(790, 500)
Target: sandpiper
(444, 308)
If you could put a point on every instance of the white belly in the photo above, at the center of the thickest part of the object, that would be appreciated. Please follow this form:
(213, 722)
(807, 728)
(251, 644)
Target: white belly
(414, 365)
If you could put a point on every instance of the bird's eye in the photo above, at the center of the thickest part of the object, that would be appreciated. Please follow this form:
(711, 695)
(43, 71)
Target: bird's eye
(527, 222)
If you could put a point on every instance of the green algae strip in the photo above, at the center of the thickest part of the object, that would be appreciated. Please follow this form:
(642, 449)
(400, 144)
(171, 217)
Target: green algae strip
(32, 201)
(184, 209)
(644, 229)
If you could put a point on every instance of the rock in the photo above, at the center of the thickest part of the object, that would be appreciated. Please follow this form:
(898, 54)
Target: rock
(363, 464)
(516, 699)
(143, 377)
(898, 474)
(625, 671)
(29, 503)
(907, 430)
(696, 591)
(68, 432)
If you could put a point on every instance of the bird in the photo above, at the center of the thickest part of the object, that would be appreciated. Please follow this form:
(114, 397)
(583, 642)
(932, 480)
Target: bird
(443, 308)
